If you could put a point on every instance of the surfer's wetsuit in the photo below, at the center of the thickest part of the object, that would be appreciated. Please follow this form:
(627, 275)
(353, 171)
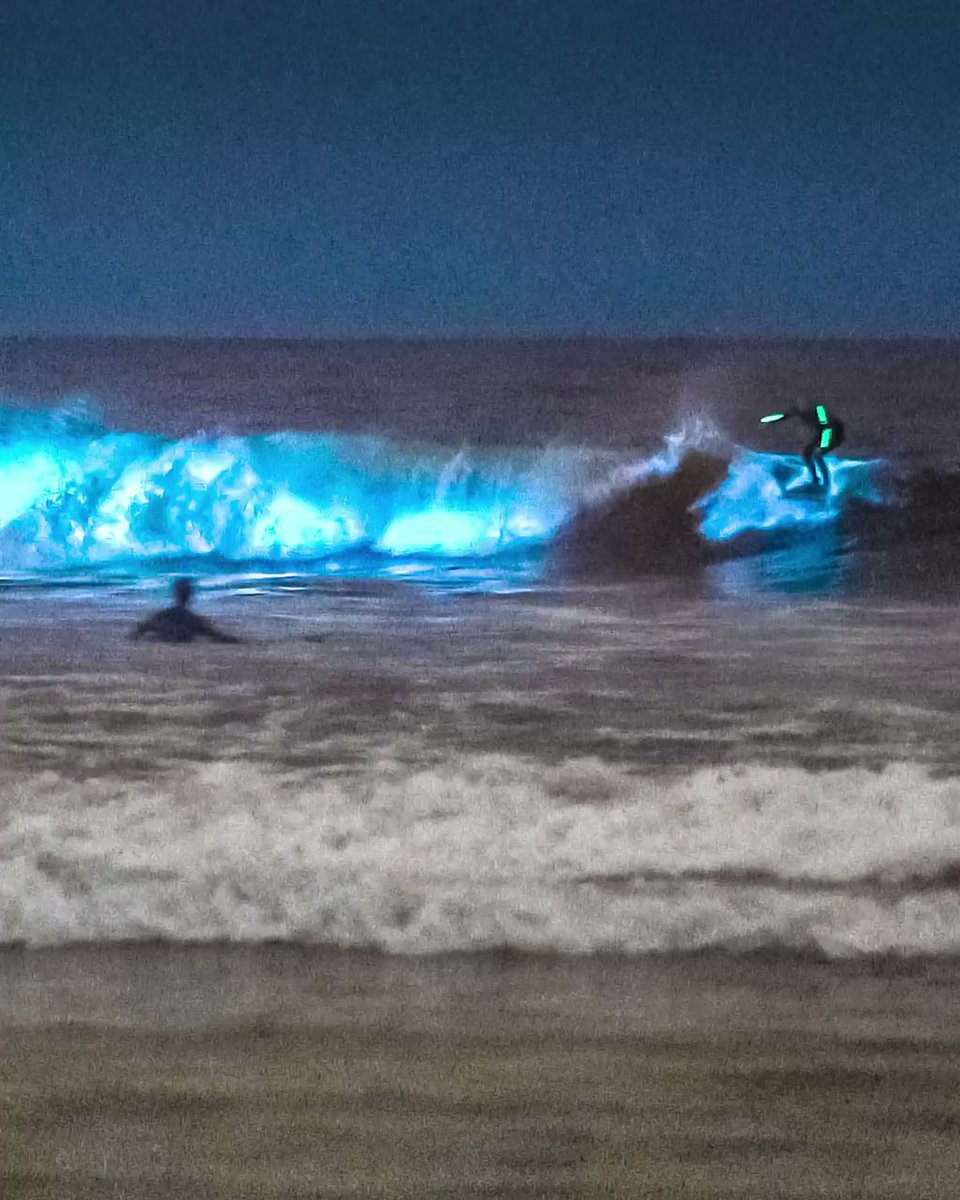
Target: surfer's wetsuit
(179, 623)
(827, 433)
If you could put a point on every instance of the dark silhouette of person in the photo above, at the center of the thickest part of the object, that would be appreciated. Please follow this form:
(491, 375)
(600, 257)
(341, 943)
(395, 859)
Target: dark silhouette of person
(179, 623)
(826, 435)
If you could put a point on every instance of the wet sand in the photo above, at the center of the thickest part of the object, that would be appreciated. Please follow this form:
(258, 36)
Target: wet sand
(231, 1072)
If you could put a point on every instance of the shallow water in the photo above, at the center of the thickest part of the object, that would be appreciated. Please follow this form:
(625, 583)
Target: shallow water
(582, 771)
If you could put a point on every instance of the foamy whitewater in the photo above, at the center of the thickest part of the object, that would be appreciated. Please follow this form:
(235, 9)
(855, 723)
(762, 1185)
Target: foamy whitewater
(490, 851)
(560, 695)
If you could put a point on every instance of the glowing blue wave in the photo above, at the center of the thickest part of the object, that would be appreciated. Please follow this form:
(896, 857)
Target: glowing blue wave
(758, 495)
(73, 495)
(81, 496)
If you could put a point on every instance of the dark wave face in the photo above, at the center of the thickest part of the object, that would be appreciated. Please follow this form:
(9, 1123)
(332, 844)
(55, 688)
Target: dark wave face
(75, 496)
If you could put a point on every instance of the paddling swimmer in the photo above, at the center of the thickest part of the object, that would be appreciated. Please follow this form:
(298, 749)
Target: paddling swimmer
(827, 435)
(179, 623)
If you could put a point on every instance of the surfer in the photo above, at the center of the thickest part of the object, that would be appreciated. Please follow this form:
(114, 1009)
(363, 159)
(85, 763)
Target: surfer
(827, 434)
(179, 623)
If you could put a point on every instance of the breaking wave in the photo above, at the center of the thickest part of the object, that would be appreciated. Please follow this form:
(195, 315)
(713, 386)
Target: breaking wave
(74, 495)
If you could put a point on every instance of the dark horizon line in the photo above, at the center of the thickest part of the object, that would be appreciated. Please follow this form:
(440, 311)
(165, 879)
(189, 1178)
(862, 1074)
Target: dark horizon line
(494, 338)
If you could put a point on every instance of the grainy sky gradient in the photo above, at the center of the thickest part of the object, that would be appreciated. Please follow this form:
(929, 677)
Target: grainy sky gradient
(480, 166)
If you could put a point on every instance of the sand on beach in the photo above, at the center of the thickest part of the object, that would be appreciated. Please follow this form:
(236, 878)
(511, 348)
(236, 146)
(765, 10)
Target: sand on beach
(234, 1072)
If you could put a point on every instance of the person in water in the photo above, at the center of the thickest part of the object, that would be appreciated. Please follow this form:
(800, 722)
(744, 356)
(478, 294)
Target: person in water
(179, 623)
(826, 435)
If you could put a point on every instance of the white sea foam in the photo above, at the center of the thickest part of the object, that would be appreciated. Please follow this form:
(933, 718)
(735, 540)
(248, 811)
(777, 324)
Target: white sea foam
(487, 851)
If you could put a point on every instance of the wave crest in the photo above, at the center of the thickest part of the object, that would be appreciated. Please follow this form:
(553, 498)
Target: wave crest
(76, 495)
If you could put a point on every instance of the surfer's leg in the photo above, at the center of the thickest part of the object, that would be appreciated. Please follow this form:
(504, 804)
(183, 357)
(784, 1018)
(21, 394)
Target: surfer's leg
(810, 455)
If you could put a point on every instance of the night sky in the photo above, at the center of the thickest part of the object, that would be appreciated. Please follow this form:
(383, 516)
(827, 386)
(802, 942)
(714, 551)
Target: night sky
(362, 167)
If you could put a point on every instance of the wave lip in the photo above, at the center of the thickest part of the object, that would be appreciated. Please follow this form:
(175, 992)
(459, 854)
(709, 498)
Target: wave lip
(489, 852)
(652, 526)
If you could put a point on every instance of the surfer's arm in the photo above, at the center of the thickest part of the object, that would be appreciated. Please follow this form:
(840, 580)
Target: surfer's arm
(204, 628)
(772, 418)
(144, 627)
(216, 635)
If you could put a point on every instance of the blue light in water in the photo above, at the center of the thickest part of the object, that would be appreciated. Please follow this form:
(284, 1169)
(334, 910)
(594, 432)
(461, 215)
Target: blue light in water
(441, 531)
(525, 527)
(204, 467)
(458, 533)
(111, 530)
(74, 496)
(755, 495)
(293, 527)
(77, 493)
(810, 567)
(24, 480)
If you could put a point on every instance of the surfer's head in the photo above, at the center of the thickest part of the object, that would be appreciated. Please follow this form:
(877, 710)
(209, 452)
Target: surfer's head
(182, 591)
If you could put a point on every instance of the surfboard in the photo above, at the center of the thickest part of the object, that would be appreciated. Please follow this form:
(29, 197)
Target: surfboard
(804, 491)
(793, 478)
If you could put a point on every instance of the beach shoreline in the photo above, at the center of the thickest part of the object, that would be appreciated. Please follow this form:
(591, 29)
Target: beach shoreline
(155, 1070)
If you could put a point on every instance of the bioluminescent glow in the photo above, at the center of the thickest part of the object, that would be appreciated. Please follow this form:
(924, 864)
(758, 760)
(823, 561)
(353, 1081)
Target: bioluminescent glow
(453, 533)
(756, 495)
(25, 478)
(441, 531)
(293, 526)
(72, 496)
(810, 566)
(78, 495)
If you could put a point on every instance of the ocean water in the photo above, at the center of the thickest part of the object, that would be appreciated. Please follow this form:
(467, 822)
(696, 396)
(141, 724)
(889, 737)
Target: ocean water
(537, 654)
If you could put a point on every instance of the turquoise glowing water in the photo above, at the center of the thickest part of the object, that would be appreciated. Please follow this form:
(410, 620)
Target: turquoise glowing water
(76, 495)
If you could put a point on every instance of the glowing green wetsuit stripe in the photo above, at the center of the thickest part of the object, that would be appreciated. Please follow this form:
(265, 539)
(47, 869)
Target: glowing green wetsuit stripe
(826, 432)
